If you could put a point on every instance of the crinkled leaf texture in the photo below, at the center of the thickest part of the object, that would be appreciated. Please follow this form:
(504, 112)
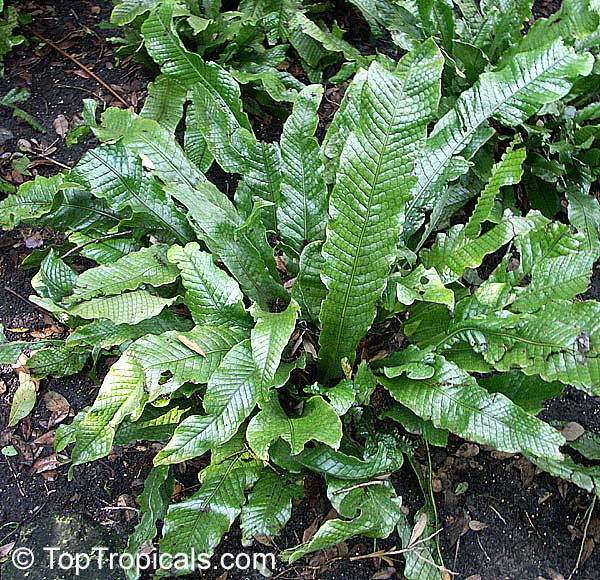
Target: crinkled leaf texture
(373, 185)
(371, 511)
(453, 400)
(510, 95)
(201, 521)
(242, 380)
(318, 422)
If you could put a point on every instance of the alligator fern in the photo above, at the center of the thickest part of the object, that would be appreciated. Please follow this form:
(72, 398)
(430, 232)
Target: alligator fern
(256, 331)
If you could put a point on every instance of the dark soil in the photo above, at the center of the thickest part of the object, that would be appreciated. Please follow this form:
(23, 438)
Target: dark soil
(529, 523)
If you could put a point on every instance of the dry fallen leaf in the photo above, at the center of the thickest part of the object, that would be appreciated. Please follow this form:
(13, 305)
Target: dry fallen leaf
(384, 574)
(23, 400)
(280, 264)
(554, 575)
(467, 450)
(6, 549)
(310, 531)
(588, 548)
(46, 438)
(477, 526)
(418, 529)
(58, 406)
(46, 464)
(61, 126)
(34, 241)
(263, 539)
(191, 345)
(46, 332)
(572, 431)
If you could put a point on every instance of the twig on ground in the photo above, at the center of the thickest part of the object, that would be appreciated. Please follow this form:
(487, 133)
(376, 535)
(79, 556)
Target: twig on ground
(55, 162)
(15, 476)
(498, 514)
(588, 517)
(84, 68)
(33, 304)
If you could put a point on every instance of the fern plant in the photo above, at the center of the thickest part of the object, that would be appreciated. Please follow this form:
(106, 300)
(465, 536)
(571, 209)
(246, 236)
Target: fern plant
(255, 42)
(9, 22)
(315, 323)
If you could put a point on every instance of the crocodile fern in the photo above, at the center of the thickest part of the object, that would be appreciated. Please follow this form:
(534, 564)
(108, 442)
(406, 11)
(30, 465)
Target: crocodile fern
(255, 330)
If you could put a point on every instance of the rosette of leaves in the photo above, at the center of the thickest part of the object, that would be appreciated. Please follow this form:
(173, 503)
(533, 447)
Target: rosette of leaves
(256, 331)
(255, 42)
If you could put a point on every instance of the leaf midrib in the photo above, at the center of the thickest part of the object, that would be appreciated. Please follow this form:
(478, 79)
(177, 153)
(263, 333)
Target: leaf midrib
(458, 148)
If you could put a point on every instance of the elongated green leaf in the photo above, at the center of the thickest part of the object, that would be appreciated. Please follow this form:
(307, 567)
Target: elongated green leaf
(164, 102)
(380, 511)
(148, 139)
(202, 520)
(505, 20)
(325, 38)
(584, 214)
(454, 252)
(588, 445)
(529, 393)
(128, 308)
(576, 23)
(194, 143)
(302, 210)
(327, 461)
(121, 395)
(102, 251)
(227, 138)
(508, 171)
(559, 342)
(33, 200)
(171, 359)
(76, 209)
(242, 247)
(318, 422)
(368, 200)
(344, 122)
(262, 178)
(54, 279)
(154, 424)
(141, 367)
(309, 290)
(587, 478)
(165, 47)
(269, 506)
(58, 361)
(269, 337)
(453, 400)
(422, 284)
(211, 295)
(128, 10)
(553, 263)
(154, 501)
(510, 95)
(231, 396)
(117, 175)
(419, 558)
(414, 424)
(146, 266)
